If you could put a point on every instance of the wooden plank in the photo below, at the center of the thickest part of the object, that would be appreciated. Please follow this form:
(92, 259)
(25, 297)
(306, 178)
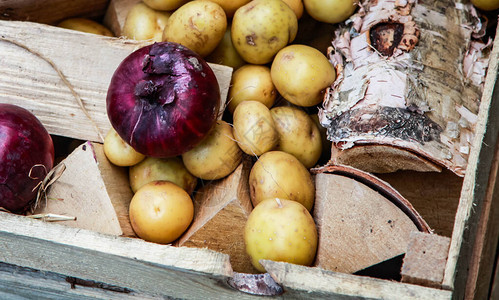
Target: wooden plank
(475, 183)
(93, 191)
(314, 283)
(126, 262)
(87, 61)
(51, 11)
(425, 259)
(21, 282)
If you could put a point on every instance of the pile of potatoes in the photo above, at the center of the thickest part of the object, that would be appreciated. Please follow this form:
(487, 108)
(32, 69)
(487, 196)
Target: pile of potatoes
(277, 51)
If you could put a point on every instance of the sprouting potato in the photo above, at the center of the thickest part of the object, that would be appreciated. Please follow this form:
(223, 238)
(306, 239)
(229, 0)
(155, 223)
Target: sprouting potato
(254, 128)
(251, 82)
(216, 156)
(85, 25)
(278, 174)
(301, 74)
(198, 25)
(261, 28)
(145, 23)
(298, 134)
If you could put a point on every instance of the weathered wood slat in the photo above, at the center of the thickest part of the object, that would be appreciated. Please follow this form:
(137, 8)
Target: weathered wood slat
(87, 61)
(476, 182)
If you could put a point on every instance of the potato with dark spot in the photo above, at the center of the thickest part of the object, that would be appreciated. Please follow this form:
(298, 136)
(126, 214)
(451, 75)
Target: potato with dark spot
(261, 28)
(198, 25)
(298, 134)
(301, 74)
(278, 174)
(251, 82)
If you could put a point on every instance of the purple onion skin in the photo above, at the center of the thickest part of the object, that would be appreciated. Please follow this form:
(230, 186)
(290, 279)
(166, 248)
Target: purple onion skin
(24, 143)
(163, 99)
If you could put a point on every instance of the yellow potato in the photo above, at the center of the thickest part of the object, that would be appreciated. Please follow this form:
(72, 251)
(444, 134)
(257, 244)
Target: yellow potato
(225, 53)
(165, 4)
(251, 82)
(216, 156)
(280, 230)
(278, 174)
(330, 11)
(118, 152)
(160, 212)
(145, 23)
(298, 134)
(169, 169)
(254, 128)
(296, 6)
(198, 25)
(85, 25)
(261, 28)
(301, 74)
(230, 6)
(486, 5)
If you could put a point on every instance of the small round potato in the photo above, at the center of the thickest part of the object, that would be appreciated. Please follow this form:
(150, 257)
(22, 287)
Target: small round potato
(487, 5)
(118, 152)
(85, 25)
(216, 156)
(225, 53)
(165, 4)
(170, 169)
(301, 74)
(254, 128)
(160, 212)
(261, 28)
(230, 6)
(278, 174)
(145, 23)
(280, 230)
(251, 82)
(330, 11)
(298, 134)
(198, 25)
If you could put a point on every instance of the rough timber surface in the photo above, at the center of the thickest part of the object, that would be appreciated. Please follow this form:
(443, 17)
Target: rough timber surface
(88, 61)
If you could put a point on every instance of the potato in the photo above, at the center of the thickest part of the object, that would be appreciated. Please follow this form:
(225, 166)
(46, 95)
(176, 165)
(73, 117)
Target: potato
(330, 11)
(198, 25)
(145, 23)
(160, 212)
(251, 82)
(216, 156)
(225, 53)
(486, 5)
(85, 25)
(278, 174)
(165, 4)
(280, 230)
(301, 74)
(254, 128)
(169, 169)
(230, 6)
(296, 6)
(261, 28)
(298, 134)
(118, 152)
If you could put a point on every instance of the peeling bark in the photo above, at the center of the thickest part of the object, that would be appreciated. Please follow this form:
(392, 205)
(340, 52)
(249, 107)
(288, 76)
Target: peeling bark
(409, 78)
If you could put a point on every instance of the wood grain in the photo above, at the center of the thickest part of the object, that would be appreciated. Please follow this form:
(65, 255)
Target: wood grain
(88, 62)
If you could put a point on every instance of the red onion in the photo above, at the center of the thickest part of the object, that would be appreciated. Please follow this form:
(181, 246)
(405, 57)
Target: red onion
(163, 99)
(26, 155)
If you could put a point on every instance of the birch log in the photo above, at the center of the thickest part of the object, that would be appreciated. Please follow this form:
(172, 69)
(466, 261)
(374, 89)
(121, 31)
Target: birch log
(409, 80)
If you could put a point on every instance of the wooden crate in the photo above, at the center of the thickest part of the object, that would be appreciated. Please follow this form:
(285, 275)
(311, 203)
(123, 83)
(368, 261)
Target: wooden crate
(47, 260)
